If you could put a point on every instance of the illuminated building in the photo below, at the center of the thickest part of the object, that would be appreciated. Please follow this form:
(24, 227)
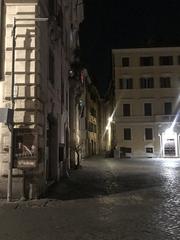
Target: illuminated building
(147, 90)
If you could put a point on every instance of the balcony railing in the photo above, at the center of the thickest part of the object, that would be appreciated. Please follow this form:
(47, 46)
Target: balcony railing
(167, 118)
(155, 118)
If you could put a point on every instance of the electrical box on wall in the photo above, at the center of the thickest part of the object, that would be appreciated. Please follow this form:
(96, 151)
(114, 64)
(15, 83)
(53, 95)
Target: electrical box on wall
(6, 115)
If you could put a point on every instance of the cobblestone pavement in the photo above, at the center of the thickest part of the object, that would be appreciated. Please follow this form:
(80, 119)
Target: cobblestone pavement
(107, 199)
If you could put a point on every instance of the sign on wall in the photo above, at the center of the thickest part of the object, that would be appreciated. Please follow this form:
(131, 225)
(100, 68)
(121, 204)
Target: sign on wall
(25, 149)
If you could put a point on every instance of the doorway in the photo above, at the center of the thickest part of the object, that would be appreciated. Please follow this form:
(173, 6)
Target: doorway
(169, 140)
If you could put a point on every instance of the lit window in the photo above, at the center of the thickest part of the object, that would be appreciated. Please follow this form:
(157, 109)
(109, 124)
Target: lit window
(149, 150)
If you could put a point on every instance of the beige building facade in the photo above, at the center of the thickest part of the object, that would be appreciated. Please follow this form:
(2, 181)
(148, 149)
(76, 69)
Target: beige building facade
(147, 88)
(86, 118)
(43, 50)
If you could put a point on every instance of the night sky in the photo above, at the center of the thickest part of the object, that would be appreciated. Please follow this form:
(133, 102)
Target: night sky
(125, 24)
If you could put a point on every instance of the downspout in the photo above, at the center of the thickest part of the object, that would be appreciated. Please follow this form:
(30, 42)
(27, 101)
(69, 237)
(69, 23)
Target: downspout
(1, 44)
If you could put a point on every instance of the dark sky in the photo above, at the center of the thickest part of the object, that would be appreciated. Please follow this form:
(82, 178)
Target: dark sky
(124, 24)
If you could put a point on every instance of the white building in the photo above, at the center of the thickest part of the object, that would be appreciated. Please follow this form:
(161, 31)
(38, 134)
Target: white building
(147, 88)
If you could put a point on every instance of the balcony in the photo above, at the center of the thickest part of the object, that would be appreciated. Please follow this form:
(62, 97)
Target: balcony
(134, 119)
(147, 119)
(167, 118)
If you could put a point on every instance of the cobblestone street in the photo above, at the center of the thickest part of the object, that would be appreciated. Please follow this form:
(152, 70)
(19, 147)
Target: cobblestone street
(106, 199)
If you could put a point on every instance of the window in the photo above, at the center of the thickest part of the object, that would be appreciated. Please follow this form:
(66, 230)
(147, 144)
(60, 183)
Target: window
(62, 95)
(125, 61)
(4, 147)
(167, 108)
(165, 82)
(165, 60)
(51, 66)
(127, 134)
(67, 101)
(91, 127)
(93, 111)
(148, 134)
(178, 60)
(126, 110)
(126, 83)
(149, 150)
(146, 61)
(147, 109)
(147, 82)
(52, 7)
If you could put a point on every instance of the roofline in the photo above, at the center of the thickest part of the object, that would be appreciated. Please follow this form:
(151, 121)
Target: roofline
(148, 49)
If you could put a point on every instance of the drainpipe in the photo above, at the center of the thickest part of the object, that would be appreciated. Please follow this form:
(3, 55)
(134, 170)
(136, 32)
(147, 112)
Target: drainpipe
(1, 37)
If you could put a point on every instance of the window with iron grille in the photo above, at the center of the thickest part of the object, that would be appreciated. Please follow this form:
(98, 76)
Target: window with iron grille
(149, 150)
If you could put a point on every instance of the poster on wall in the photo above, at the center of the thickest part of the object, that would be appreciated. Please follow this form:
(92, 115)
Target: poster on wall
(25, 149)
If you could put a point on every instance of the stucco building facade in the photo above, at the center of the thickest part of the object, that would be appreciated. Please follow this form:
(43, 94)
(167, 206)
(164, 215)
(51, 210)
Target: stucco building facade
(85, 118)
(147, 84)
(43, 51)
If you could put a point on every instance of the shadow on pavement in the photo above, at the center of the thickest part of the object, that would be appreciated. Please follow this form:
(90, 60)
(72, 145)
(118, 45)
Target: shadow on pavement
(91, 182)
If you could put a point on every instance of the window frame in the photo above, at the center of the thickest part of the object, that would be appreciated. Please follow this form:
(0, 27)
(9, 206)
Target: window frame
(166, 60)
(146, 134)
(146, 82)
(150, 151)
(51, 66)
(146, 61)
(146, 110)
(125, 83)
(123, 110)
(166, 112)
(125, 61)
(127, 136)
(165, 82)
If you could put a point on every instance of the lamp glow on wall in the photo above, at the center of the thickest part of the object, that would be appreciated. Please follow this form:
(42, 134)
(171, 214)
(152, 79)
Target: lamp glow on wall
(109, 132)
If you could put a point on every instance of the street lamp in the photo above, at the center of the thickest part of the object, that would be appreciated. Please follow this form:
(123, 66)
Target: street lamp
(11, 125)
